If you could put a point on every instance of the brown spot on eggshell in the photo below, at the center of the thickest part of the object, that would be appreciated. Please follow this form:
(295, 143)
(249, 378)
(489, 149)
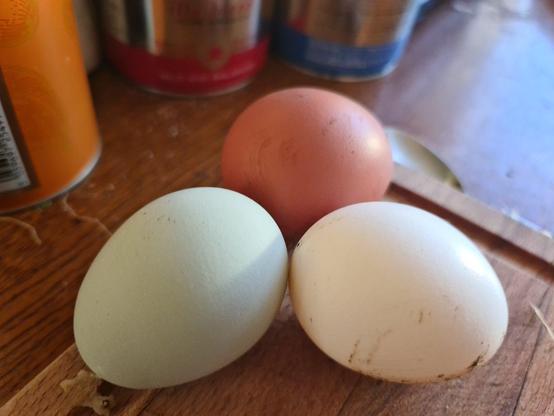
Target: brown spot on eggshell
(476, 362)
(377, 345)
(354, 350)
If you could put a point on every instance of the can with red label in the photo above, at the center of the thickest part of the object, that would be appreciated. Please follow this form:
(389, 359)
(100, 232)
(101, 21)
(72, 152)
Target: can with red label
(187, 47)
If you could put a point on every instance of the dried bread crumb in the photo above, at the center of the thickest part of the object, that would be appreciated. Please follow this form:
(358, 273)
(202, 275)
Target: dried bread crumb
(69, 209)
(32, 230)
(81, 391)
(540, 315)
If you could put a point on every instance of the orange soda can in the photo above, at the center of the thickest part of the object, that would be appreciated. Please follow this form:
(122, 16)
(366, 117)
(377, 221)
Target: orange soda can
(49, 139)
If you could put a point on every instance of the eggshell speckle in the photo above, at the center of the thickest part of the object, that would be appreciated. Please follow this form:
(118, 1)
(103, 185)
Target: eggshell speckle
(185, 286)
(304, 152)
(397, 293)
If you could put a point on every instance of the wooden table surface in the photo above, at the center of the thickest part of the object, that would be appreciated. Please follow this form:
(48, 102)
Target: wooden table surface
(476, 84)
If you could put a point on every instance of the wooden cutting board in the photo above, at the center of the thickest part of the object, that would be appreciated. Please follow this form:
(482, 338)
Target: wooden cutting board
(285, 374)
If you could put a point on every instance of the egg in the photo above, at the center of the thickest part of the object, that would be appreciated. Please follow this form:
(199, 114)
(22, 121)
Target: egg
(185, 286)
(397, 293)
(304, 152)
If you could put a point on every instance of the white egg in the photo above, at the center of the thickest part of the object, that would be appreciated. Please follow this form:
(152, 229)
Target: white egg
(185, 286)
(397, 293)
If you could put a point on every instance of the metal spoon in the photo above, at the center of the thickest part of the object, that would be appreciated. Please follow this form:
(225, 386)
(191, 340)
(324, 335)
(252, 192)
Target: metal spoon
(407, 151)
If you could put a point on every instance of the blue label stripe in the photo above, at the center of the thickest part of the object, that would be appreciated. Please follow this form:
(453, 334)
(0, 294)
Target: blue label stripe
(333, 59)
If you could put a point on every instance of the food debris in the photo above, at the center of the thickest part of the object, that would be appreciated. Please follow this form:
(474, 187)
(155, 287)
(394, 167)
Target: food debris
(81, 391)
(32, 230)
(540, 315)
(69, 209)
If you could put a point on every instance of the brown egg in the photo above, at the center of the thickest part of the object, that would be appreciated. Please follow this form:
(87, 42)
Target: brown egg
(304, 152)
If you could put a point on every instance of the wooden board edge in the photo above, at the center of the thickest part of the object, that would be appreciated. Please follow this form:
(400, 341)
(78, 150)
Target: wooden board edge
(475, 212)
(65, 366)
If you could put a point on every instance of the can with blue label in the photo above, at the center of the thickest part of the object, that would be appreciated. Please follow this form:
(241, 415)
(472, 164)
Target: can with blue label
(348, 40)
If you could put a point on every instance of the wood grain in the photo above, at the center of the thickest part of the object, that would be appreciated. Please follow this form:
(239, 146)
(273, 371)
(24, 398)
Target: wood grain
(285, 374)
(459, 87)
(537, 395)
(44, 396)
(44, 391)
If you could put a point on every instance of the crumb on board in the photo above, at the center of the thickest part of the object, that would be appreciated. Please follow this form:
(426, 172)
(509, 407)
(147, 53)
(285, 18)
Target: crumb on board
(539, 314)
(32, 230)
(69, 209)
(82, 391)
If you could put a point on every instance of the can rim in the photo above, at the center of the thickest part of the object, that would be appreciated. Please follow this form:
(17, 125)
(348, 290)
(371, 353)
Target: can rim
(79, 178)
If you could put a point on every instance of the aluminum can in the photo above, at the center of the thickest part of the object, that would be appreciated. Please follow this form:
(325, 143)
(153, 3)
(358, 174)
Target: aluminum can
(346, 40)
(187, 47)
(49, 138)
